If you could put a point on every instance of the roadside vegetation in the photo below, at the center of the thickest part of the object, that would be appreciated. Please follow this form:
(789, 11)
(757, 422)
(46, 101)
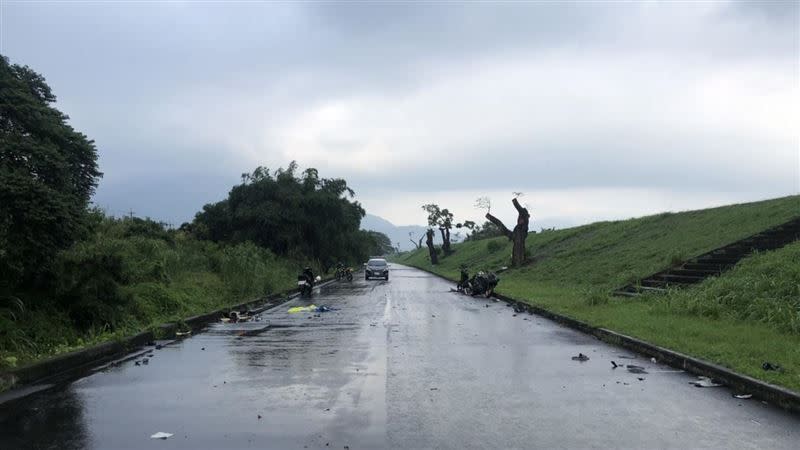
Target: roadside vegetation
(71, 276)
(747, 316)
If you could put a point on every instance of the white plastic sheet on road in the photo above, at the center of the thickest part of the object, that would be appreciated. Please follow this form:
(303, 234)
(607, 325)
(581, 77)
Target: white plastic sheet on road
(161, 435)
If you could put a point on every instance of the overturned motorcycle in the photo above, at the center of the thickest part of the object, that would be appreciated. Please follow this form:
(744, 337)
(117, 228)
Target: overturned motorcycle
(482, 283)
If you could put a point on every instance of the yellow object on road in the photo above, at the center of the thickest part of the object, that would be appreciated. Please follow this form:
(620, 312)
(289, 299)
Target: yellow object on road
(298, 309)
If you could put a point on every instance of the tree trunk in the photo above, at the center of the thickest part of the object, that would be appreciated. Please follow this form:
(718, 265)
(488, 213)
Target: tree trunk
(445, 240)
(517, 236)
(431, 248)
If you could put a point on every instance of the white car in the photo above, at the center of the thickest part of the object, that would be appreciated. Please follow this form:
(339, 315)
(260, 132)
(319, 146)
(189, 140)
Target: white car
(377, 268)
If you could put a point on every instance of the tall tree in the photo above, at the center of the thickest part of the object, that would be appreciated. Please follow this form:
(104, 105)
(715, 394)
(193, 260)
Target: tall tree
(518, 235)
(48, 173)
(431, 249)
(443, 220)
(298, 215)
(380, 244)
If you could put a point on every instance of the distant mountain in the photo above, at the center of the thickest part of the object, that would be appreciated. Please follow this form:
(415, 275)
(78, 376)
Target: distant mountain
(395, 233)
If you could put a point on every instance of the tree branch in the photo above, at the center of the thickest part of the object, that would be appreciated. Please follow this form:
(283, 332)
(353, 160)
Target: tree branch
(499, 225)
(520, 210)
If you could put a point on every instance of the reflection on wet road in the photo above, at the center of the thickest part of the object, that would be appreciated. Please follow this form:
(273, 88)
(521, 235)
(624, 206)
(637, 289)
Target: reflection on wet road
(403, 364)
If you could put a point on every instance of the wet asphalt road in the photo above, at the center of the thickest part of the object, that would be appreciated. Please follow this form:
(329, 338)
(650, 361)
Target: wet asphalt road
(402, 364)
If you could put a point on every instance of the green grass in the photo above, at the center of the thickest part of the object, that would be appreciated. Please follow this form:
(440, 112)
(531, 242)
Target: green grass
(739, 320)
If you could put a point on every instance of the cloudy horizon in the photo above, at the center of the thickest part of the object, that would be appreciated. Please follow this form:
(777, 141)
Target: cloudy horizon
(596, 111)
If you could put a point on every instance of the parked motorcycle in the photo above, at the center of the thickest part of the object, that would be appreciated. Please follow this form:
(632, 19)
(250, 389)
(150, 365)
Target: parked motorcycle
(305, 282)
(344, 273)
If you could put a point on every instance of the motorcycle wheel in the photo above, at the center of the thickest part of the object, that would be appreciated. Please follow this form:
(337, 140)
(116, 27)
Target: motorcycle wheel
(349, 277)
(468, 290)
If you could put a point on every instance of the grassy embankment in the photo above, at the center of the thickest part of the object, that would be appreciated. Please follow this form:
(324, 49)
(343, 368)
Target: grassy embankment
(125, 279)
(739, 320)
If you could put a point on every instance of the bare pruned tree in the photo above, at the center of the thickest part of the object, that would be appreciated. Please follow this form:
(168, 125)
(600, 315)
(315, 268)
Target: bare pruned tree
(417, 242)
(519, 234)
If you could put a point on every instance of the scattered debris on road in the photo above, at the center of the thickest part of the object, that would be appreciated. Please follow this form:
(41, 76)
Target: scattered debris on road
(635, 369)
(653, 360)
(614, 365)
(703, 381)
(161, 435)
(581, 357)
(743, 396)
(240, 316)
(182, 333)
(311, 308)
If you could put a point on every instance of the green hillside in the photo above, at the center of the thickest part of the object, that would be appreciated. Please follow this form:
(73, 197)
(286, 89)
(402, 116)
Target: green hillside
(741, 319)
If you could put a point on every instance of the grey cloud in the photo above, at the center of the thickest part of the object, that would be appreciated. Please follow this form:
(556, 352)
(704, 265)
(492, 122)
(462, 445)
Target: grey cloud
(152, 84)
(784, 13)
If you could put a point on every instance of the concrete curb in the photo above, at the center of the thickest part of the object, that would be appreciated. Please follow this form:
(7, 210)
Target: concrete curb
(76, 361)
(777, 395)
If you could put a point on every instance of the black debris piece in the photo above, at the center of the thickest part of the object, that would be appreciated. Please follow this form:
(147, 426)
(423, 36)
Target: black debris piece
(770, 366)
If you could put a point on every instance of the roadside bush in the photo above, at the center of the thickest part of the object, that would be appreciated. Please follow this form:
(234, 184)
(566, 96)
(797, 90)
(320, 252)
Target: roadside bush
(493, 245)
(11, 308)
(595, 297)
(675, 258)
(89, 275)
(252, 271)
(147, 228)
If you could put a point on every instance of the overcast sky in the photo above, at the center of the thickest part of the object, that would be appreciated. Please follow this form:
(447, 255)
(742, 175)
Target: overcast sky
(596, 110)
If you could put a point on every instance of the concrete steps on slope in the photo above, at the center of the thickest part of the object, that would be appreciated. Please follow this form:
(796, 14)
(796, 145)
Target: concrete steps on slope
(713, 263)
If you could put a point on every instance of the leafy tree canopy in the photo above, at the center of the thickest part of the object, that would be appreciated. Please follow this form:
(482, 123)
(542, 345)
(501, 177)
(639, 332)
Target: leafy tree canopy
(48, 173)
(379, 243)
(298, 215)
